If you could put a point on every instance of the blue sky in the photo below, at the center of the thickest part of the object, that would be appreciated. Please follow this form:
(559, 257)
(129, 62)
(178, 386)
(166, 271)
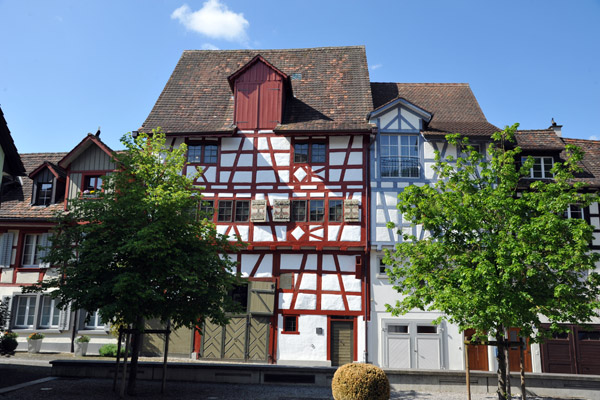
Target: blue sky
(69, 66)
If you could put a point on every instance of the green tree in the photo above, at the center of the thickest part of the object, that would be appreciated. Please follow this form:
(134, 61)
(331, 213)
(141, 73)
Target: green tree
(500, 252)
(137, 251)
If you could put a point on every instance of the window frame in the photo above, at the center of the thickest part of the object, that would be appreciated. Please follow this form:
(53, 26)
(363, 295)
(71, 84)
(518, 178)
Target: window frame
(310, 152)
(340, 204)
(84, 184)
(284, 327)
(231, 209)
(545, 174)
(95, 322)
(39, 191)
(30, 313)
(293, 209)
(35, 251)
(203, 158)
(399, 157)
(204, 211)
(569, 212)
(318, 217)
(246, 212)
(54, 313)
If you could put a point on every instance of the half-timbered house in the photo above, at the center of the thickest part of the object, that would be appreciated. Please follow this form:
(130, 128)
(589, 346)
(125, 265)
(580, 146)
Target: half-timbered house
(281, 139)
(28, 206)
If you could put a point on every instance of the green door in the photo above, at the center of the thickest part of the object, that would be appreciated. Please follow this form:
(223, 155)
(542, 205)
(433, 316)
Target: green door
(342, 342)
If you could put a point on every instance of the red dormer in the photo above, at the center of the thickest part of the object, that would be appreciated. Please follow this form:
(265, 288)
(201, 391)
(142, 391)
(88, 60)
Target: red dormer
(258, 89)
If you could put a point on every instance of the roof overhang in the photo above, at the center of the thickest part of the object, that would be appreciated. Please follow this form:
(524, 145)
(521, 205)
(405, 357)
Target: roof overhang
(51, 167)
(426, 115)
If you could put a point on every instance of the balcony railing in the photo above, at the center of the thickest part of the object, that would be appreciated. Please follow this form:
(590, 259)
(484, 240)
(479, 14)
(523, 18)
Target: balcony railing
(400, 167)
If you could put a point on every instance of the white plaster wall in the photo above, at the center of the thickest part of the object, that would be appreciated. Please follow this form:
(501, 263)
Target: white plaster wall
(242, 176)
(27, 277)
(248, 144)
(338, 142)
(332, 302)
(262, 233)
(265, 176)
(6, 275)
(245, 160)
(412, 119)
(353, 174)
(280, 143)
(308, 282)
(332, 232)
(334, 174)
(227, 159)
(336, 158)
(210, 174)
(428, 150)
(355, 158)
(357, 142)
(306, 301)
(230, 144)
(291, 261)
(262, 144)
(264, 160)
(429, 172)
(386, 118)
(351, 284)
(351, 233)
(330, 282)
(347, 263)
(307, 345)
(282, 159)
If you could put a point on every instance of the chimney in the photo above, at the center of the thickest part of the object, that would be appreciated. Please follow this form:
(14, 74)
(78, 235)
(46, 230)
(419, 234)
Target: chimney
(556, 128)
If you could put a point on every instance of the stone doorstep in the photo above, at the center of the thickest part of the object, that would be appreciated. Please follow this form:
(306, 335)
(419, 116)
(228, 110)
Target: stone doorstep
(564, 385)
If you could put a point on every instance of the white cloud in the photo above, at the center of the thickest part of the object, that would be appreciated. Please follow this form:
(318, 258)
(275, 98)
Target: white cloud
(593, 137)
(209, 46)
(214, 20)
(376, 66)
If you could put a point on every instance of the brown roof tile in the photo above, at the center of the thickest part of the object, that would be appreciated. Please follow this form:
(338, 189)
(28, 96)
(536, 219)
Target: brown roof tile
(453, 105)
(590, 162)
(16, 203)
(542, 139)
(333, 93)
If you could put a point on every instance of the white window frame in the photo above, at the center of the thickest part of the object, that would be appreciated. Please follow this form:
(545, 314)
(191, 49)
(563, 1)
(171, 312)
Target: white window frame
(30, 312)
(49, 304)
(32, 258)
(399, 158)
(569, 212)
(95, 321)
(540, 159)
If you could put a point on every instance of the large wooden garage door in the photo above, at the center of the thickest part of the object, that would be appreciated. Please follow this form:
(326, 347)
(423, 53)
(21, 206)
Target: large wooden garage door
(575, 352)
(245, 338)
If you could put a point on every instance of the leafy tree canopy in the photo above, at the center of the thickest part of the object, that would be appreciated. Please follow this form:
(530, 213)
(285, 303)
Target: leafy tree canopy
(137, 250)
(500, 252)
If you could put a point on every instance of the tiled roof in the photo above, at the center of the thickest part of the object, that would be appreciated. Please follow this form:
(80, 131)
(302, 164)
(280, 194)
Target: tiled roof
(16, 203)
(543, 139)
(330, 90)
(590, 162)
(453, 105)
(12, 163)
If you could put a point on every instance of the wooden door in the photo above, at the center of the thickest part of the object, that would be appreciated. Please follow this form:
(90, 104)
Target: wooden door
(258, 338)
(514, 355)
(342, 342)
(234, 343)
(478, 354)
(212, 341)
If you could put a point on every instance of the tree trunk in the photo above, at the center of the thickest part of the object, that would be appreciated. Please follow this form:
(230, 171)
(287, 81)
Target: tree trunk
(135, 352)
(501, 359)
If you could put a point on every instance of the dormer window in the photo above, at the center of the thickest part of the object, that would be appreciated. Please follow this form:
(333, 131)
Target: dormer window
(400, 156)
(43, 195)
(541, 167)
(92, 185)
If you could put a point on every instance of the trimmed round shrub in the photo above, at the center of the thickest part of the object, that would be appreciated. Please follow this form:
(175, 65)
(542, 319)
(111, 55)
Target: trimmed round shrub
(8, 343)
(360, 382)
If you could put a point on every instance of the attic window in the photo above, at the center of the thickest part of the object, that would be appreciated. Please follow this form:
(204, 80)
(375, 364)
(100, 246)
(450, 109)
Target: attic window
(296, 76)
(43, 195)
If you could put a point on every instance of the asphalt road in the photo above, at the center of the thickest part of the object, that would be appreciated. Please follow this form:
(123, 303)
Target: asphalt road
(12, 374)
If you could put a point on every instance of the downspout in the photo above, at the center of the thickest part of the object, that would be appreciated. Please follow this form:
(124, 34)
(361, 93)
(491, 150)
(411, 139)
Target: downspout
(367, 264)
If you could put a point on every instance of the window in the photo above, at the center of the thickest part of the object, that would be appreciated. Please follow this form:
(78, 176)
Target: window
(397, 329)
(574, 211)
(207, 209)
(299, 210)
(25, 317)
(290, 324)
(43, 195)
(426, 329)
(225, 211)
(94, 320)
(541, 167)
(92, 183)
(32, 254)
(239, 295)
(310, 152)
(336, 210)
(317, 210)
(242, 210)
(202, 153)
(382, 267)
(399, 156)
(50, 313)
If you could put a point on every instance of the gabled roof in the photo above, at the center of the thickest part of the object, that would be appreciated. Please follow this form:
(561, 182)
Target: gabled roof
(258, 58)
(590, 162)
(330, 85)
(87, 141)
(400, 101)
(12, 162)
(16, 203)
(57, 171)
(453, 105)
(540, 139)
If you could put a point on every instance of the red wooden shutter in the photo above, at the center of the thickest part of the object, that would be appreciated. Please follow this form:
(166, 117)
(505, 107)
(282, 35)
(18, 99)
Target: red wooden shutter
(270, 104)
(246, 105)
